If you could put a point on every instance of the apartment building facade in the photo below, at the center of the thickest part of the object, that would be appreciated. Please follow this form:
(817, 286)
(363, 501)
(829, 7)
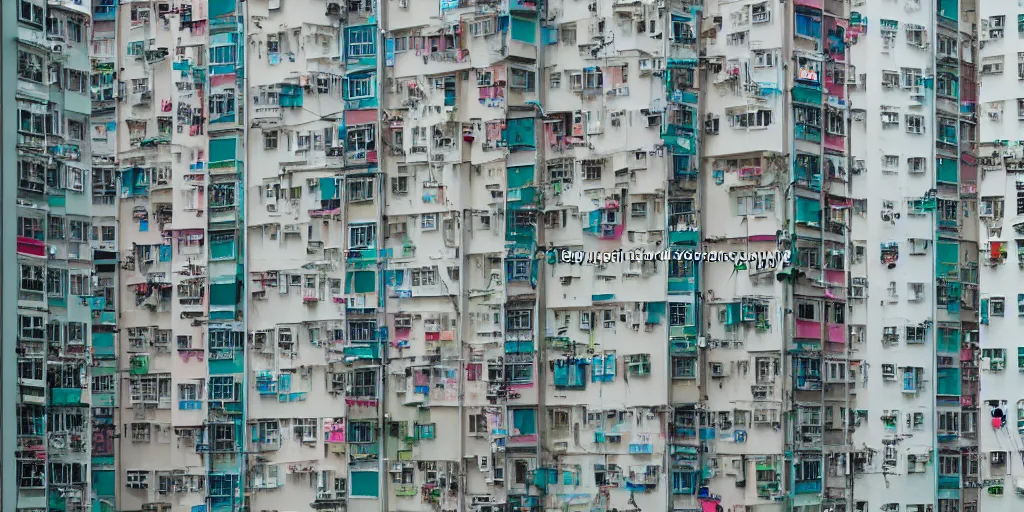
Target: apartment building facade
(316, 257)
(61, 311)
(999, 234)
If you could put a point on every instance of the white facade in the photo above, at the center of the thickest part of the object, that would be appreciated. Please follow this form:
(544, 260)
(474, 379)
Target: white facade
(999, 212)
(342, 283)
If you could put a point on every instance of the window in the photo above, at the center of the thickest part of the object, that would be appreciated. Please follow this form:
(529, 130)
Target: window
(31, 473)
(360, 138)
(517, 269)
(836, 123)
(428, 221)
(593, 79)
(31, 122)
(608, 319)
(222, 388)
(916, 334)
(890, 119)
(136, 479)
(76, 130)
(638, 210)
(360, 41)
(757, 119)
(364, 383)
(362, 235)
(75, 80)
(32, 279)
(188, 392)
(424, 277)
(74, 31)
(997, 306)
(31, 11)
(518, 368)
(360, 432)
(30, 328)
(910, 378)
(55, 282)
(809, 116)
(678, 314)
(592, 169)
(519, 320)
(808, 470)
(946, 86)
(362, 330)
(400, 185)
(360, 189)
(684, 367)
(764, 58)
(481, 28)
(30, 227)
(30, 66)
(478, 424)
(359, 88)
(270, 140)
(222, 103)
(142, 432)
(567, 33)
(915, 123)
(890, 163)
(80, 284)
(807, 311)
(222, 55)
(761, 202)
(136, 48)
(522, 79)
(554, 79)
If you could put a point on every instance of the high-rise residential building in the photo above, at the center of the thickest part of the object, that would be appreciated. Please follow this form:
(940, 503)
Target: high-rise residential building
(406, 255)
(62, 258)
(1001, 233)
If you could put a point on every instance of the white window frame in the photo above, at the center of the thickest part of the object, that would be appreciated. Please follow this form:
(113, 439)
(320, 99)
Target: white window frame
(362, 235)
(424, 277)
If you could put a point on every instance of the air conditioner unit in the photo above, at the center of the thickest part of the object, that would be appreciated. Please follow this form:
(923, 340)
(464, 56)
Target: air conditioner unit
(403, 4)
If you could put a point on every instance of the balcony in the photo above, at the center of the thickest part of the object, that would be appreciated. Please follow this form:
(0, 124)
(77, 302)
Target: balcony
(766, 490)
(363, 352)
(683, 347)
(808, 381)
(808, 487)
(949, 481)
(65, 397)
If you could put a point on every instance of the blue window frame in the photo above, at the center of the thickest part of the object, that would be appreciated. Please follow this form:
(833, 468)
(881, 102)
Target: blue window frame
(570, 375)
(602, 368)
(518, 269)
(359, 88)
(223, 485)
(684, 482)
(361, 41)
(222, 388)
(425, 430)
(910, 380)
(808, 25)
(223, 54)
